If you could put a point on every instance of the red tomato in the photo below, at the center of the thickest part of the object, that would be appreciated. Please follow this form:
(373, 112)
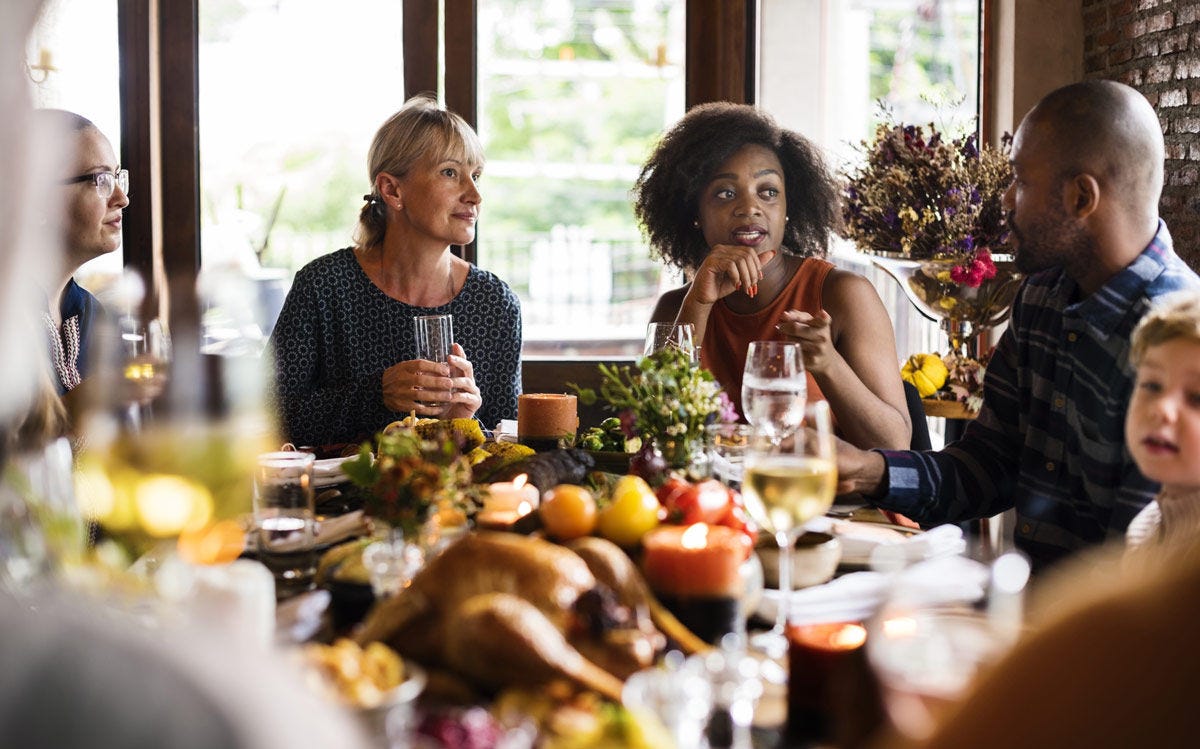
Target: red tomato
(739, 520)
(705, 502)
(667, 492)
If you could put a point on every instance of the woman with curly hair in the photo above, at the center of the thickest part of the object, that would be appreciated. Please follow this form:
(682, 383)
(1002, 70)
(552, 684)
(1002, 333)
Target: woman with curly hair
(744, 208)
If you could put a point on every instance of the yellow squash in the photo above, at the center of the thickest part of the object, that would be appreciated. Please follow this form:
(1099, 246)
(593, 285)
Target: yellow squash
(927, 372)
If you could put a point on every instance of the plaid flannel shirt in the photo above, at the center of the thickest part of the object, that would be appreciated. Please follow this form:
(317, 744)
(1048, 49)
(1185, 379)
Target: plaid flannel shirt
(1050, 438)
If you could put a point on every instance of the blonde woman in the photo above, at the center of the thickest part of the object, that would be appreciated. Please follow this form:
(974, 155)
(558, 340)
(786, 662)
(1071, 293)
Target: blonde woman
(345, 352)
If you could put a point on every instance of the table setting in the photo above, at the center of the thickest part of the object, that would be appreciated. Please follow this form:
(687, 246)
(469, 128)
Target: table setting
(443, 580)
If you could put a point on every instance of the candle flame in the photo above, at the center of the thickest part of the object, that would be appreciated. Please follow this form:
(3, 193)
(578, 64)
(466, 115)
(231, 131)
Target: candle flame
(695, 537)
(900, 626)
(849, 637)
(519, 481)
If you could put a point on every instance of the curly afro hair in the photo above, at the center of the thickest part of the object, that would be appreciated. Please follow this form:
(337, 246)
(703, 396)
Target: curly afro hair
(667, 192)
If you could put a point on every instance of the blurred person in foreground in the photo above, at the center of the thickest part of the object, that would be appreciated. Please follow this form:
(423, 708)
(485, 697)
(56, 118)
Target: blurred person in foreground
(79, 675)
(345, 350)
(1108, 661)
(745, 208)
(1049, 440)
(1162, 427)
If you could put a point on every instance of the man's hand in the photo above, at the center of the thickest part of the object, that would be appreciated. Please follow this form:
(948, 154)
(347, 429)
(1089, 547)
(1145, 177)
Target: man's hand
(860, 471)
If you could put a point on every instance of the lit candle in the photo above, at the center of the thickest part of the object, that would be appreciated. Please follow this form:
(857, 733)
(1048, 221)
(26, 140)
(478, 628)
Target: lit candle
(696, 560)
(506, 503)
(821, 656)
(515, 495)
(239, 597)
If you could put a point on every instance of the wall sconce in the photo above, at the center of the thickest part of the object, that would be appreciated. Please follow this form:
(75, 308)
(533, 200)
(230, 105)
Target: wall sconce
(40, 72)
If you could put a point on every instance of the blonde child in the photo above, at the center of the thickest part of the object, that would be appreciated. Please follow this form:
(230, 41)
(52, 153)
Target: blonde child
(1162, 425)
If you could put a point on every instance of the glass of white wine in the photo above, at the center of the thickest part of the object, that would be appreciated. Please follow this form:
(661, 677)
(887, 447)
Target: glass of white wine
(146, 352)
(786, 483)
(774, 388)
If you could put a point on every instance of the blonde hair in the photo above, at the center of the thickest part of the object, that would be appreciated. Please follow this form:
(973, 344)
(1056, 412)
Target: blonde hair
(1176, 316)
(421, 131)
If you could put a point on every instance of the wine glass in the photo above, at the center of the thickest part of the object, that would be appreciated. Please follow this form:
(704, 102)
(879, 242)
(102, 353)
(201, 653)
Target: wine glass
(661, 335)
(787, 482)
(146, 357)
(774, 388)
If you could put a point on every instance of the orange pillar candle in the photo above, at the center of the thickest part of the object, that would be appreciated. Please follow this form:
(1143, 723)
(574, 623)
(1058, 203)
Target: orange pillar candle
(694, 560)
(546, 416)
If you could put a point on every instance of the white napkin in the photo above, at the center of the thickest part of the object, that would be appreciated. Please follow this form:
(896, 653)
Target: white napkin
(326, 532)
(506, 430)
(328, 472)
(856, 596)
(859, 540)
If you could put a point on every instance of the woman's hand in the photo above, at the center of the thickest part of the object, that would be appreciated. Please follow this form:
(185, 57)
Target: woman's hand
(433, 389)
(726, 269)
(814, 336)
(466, 400)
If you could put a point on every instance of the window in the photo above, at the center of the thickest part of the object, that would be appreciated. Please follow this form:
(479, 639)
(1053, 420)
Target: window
(572, 96)
(291, 93)
(919, 58)
(72, 62)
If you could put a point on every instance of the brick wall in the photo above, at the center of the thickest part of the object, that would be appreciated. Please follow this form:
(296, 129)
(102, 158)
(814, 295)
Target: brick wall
(1154, 46)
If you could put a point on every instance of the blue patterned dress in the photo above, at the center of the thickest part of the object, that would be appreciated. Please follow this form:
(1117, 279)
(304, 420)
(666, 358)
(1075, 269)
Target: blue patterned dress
(338, 332)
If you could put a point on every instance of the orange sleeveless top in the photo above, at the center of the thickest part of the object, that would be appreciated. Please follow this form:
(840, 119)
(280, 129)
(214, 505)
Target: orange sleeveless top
(729, 334)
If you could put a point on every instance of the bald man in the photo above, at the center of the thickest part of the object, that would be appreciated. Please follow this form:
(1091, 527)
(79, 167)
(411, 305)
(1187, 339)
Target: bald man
(1083, 211)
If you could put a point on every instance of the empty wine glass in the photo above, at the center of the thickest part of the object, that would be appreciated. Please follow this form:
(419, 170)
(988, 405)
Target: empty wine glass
(661, 335)
(787, 482)
(774, 388)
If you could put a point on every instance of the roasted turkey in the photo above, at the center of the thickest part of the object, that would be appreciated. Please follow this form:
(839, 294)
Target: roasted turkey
(501, 609)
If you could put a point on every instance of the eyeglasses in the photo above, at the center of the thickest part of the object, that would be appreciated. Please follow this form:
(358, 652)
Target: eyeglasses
(105, 182)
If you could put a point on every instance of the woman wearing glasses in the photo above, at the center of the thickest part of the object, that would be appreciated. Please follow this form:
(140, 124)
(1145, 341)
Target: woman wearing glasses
(94, 194)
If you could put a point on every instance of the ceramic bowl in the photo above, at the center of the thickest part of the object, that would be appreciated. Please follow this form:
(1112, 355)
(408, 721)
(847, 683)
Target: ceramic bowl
(814, 559)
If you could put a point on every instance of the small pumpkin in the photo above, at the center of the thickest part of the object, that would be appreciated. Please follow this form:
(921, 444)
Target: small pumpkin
(926, 372)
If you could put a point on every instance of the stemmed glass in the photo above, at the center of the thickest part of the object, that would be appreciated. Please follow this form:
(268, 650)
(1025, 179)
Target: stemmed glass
(774, 388)
(146, 357)
(661, 335)
(786, 483)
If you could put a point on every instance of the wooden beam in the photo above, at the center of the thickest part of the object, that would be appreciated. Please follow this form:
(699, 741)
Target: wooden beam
(720, 49)
(178, 93)
(420, 47)
(460, 29)
(461, 56)
(138, 118)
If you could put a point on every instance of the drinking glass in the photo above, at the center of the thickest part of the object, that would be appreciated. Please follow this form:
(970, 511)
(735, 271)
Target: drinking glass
(434, 336)
(727, 444)
(284, 517)
(774, 388)
(661, 335)
(146, 358)
(786, 483)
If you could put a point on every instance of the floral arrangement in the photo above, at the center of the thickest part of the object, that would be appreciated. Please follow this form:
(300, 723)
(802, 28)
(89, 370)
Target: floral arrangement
(923, 196)
(411, 477)
(951, 377)
(666, 398)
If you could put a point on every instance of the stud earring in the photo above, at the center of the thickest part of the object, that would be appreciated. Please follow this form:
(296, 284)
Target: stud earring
(696, 224)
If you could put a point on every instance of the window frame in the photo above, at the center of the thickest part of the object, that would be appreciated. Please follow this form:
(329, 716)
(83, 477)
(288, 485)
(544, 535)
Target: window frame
(159, 64)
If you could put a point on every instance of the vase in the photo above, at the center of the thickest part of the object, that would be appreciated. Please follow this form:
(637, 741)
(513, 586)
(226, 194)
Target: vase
(685, 454)
(391, 560)
(962, 311)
